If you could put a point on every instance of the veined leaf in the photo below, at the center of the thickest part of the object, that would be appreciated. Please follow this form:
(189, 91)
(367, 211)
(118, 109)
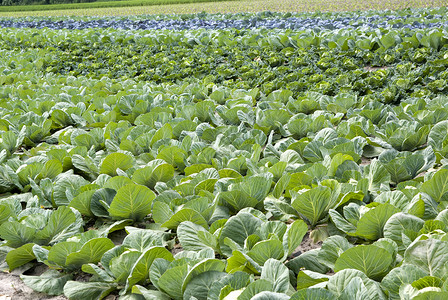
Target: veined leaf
(116, 161)
(132, 201)
(87, 290)
(20, 256)
(51, 282)
(371, 260)
(430, 256)
(90, 252)
(313, 204)
(140, 270)
(277, 273)
(437, 186)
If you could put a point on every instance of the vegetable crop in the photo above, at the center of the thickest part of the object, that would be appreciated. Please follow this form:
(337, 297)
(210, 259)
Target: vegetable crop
(418, 19)
(193, 164)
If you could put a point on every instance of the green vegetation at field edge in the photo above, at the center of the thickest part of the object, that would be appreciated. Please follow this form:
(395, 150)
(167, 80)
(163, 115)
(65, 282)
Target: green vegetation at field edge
(99, 4)
(139, 7)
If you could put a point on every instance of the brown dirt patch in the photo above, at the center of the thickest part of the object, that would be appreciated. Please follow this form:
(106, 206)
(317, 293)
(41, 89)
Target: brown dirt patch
(306, 245)
(365, 161)
(176, 249)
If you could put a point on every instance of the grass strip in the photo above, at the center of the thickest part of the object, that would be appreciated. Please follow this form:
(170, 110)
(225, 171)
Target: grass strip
(98, 4)
(236, 6)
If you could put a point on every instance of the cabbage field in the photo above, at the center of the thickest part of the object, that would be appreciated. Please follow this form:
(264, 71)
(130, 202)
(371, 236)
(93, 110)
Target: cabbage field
(264, 156)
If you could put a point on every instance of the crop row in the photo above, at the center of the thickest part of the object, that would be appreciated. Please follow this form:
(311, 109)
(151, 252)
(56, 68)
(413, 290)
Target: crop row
(23, 6)
(414, 20)
(268, 60)
(215, 153)
(134, 7)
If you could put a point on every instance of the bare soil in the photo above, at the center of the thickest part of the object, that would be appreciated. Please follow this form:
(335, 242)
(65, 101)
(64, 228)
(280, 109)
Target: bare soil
(365, 161)
(176, 249)
(306, 245)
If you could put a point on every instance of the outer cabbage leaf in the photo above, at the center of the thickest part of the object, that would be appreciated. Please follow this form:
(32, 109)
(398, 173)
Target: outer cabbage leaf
(132, 201)
(431, 256)
(371, 260)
